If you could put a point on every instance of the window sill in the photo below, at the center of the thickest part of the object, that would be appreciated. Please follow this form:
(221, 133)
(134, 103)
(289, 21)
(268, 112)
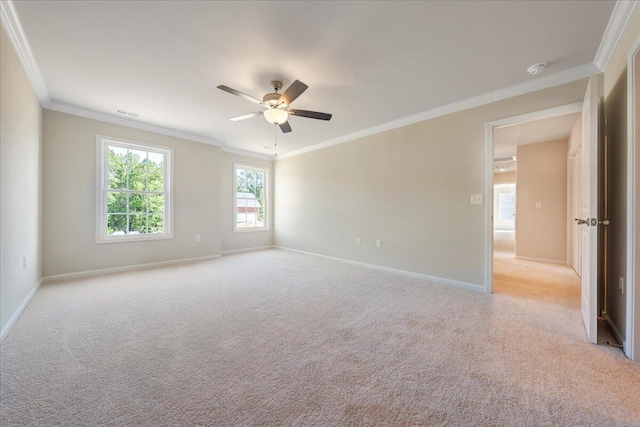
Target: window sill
(128, 239)
(251, 230)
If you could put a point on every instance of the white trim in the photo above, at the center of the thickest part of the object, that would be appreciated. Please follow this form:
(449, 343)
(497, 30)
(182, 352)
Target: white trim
(544, 260)
(489, 127)
(561, 110)
(102, 142)
(488, 226)
(16, 314)
(246, 153)
(11, 23)
(243, 250)
(21, 44)
(100, 272)
(632, 344)
(234, 196)
(613, 328)
(107, 118)
(622, 12)
(433, 279)
(617, 24)
(539, 83)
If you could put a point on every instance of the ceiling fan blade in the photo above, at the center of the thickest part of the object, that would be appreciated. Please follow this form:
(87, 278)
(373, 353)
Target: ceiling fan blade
(292, 92)
(240, 94)
(285, 127)
(310, 114)
(246, 116)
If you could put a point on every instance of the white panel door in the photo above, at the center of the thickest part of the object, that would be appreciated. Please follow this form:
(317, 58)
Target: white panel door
(590, 167)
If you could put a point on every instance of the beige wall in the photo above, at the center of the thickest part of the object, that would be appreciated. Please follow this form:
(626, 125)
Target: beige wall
(21, 182)
(615, 106)
(541, 233)
(504, 178)
(231, 241)
(69, 199)
(409, 187)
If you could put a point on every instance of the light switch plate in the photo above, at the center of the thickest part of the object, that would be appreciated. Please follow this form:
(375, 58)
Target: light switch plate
(476, 199)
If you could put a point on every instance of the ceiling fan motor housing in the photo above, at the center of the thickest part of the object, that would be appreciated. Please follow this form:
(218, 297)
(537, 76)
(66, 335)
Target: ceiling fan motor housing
(272, 99)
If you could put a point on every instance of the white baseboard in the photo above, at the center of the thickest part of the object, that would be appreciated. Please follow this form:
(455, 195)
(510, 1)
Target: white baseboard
(239, 251)
(16, 315)
(103, 271)
(439, 280)
(545, 260)
(613, 328)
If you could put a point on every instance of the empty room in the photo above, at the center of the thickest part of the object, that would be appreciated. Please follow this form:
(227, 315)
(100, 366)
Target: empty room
(317, 213)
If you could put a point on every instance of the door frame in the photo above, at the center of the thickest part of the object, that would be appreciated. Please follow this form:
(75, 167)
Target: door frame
(561, 110)
(632, 335)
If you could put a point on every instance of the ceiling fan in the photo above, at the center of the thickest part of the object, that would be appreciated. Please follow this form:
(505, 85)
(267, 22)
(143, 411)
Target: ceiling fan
(277, 105)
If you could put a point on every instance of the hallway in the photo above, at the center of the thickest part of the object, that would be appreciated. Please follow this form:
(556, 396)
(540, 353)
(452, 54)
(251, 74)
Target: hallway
(555, 284)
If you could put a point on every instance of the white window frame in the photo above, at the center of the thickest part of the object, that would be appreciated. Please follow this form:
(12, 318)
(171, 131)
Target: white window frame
(102, 180)
(267, 202)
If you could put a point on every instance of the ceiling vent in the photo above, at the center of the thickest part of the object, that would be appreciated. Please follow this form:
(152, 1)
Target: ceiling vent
(128, 113)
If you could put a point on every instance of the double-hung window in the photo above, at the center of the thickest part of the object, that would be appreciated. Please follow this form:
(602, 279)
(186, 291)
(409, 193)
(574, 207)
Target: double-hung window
(250, 198)
(134, 191)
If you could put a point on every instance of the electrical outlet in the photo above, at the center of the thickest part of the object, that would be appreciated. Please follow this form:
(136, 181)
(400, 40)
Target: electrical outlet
(621, 284)
(358, 241)
(378, 243)
(197, 237)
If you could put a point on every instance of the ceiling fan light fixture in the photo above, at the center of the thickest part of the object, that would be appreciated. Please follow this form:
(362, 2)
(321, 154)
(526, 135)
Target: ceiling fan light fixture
(276, 116)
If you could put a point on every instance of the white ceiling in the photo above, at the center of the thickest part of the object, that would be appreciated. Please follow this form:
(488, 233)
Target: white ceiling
(367, 63)
(507, 139)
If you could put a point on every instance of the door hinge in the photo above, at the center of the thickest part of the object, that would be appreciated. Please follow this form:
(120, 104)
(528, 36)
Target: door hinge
(594, 222)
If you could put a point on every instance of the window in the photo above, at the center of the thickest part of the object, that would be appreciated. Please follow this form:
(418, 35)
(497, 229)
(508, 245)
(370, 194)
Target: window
(250, 198)
(134, 198)
(506, 206)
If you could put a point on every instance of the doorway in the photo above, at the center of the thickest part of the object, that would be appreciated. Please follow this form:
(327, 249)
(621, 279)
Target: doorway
(533, 200)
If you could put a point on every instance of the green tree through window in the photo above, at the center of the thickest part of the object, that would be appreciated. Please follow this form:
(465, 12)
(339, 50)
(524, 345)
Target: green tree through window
(251, 200)
(135, 190)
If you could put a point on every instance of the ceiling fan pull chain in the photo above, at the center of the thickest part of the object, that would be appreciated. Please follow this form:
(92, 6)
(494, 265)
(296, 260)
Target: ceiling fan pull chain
(275, 143)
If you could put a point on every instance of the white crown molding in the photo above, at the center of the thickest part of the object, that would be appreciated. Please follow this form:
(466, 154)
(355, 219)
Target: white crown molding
(539, 83)
(75, 111)
(13, 27)
(622, 12)
(241, 152)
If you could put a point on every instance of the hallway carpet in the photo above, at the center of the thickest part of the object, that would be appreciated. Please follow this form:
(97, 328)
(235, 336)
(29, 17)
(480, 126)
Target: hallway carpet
(280, 338)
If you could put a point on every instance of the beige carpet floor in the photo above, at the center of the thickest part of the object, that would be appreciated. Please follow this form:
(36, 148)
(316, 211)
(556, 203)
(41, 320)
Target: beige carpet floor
(279, 338)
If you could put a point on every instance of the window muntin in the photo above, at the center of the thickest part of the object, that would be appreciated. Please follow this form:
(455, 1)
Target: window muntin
(250, 206)
(134, 191)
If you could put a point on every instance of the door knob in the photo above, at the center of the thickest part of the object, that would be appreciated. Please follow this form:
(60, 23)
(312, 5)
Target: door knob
(582, 221)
